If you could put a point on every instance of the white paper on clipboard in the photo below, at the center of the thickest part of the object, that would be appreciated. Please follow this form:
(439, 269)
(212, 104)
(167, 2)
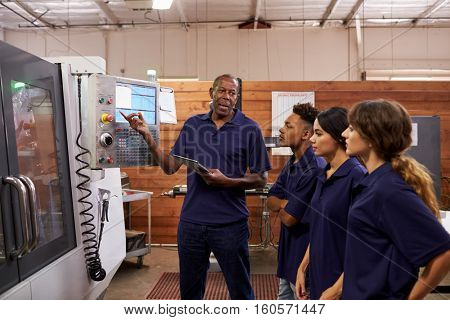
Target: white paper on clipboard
(168, 112)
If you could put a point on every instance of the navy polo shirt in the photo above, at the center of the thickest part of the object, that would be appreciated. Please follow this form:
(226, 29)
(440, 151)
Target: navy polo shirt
(328, 216)
(237, 146)
(391, 234)
(296, 180)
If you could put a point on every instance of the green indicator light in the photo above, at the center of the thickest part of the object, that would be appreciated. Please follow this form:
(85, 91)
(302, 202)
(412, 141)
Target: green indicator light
(18, 85)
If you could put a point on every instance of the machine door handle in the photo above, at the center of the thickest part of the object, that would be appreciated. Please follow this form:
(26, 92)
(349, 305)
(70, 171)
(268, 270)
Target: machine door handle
(23, 223)
(31, 189)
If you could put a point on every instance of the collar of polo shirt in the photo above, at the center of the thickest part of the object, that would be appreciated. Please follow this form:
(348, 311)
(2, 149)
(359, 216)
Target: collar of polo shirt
(236, 120)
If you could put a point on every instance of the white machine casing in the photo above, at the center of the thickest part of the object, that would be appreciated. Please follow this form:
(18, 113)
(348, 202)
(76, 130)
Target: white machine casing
(68, 277)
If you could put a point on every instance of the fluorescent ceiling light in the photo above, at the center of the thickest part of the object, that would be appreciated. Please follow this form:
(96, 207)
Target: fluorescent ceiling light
(408, 75)
(162, 4)
(414, 78)
(378, 78)
(388, 20)
(409, 72)
(176, 79)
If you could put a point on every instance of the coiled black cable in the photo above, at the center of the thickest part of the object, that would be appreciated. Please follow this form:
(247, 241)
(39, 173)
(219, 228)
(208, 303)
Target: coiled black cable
(91, 245)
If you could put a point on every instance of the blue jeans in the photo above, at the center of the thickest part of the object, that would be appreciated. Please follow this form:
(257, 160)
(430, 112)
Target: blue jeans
(286, 290)
(229, 243)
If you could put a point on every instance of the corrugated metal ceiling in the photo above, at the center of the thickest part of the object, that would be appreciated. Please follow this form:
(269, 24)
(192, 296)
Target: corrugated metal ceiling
(279, 13)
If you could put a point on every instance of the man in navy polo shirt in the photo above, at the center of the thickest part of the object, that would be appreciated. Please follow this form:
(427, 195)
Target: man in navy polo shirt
(297, 181)
(214, 213)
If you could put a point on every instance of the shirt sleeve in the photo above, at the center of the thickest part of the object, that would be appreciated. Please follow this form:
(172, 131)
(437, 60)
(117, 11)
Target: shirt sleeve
(299, 201)
(278, 189)
(412, 227)
(258, 156)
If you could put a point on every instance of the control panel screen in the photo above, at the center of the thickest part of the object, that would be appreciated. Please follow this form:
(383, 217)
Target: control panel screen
(132, 98)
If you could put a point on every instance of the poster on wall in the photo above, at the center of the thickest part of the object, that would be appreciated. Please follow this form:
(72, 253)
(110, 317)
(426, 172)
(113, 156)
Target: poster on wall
(282, 103)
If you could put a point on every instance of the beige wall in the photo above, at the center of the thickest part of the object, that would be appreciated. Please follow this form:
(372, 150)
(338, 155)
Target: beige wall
(288, 54)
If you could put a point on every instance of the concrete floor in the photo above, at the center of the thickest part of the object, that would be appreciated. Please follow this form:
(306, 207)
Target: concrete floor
(132, 283)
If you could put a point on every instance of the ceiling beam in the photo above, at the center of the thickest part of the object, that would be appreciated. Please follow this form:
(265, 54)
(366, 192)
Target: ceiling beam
(429, 11)
(107, 11)
(257, 12)
(333, 4)
(356, 7)
(35, 15)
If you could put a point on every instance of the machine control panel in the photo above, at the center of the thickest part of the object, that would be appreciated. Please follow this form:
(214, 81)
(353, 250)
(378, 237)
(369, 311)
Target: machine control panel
(110, 139)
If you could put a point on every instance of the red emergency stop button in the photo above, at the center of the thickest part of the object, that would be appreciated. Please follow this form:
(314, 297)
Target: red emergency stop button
(107, 118)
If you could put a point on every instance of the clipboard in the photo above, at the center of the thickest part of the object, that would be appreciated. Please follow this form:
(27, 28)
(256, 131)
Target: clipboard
(168, 112)
(191, 163)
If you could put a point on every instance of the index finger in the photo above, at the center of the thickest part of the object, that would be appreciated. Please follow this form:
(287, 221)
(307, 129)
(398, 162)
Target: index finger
(129, 117)
(123, 115)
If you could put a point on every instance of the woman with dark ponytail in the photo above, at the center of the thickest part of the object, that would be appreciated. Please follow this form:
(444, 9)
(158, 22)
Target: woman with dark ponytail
(393, 226)
(329, 209)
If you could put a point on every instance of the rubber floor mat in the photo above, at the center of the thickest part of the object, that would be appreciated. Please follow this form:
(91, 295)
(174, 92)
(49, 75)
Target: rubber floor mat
(265, 287)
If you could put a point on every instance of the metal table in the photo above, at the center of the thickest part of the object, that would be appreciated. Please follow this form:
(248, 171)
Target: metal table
(128, 196)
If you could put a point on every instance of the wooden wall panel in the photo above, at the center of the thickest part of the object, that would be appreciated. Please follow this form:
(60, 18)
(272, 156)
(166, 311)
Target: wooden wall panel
(420, 98)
